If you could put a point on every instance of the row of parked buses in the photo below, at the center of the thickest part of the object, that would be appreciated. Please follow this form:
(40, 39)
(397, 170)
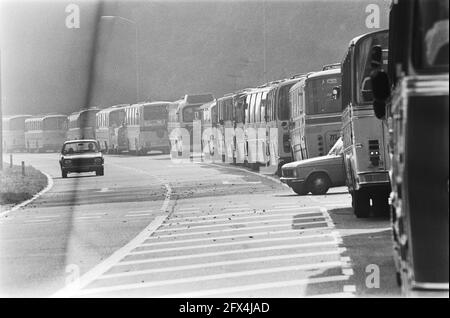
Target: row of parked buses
(386, 104)
(395, 166)
(137, 128)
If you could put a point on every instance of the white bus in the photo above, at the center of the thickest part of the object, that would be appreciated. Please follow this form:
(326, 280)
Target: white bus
(45, 133)
(109, 121)
(145, 128)
(14, 133)
(82, 124)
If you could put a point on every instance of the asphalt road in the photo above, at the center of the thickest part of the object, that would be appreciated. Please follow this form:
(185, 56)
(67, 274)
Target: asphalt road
(151, 227)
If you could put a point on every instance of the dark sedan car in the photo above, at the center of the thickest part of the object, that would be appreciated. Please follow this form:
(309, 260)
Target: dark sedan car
(81, 156)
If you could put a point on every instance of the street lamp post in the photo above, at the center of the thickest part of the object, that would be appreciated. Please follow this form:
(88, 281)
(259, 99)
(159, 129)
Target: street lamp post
(110, 17)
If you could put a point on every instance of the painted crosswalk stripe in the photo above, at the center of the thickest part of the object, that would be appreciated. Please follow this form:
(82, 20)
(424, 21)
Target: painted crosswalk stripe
(154, 241)
(258, 259)
(210, 277)
(234, 217)
(253, 287)
(186, 228)
(222, 253)
(241, 229)
(239, 214)
(256, 220)
(253, 241)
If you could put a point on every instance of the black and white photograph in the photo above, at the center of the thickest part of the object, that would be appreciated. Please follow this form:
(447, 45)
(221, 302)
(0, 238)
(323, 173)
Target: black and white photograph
(236, 150)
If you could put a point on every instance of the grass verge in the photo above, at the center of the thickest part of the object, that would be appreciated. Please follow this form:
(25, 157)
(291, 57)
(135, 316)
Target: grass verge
(15, 188)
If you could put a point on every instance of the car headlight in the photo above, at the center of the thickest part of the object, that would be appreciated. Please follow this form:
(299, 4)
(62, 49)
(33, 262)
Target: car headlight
(67, 162)
(98, 161)
(294, 173)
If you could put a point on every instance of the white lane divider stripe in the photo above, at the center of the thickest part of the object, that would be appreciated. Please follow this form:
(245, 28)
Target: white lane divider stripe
(87, 217)
(38, 221)
(154, 241)
(253, 287)
(145, 215)
(221, 263)
(246, 242)
(239, 229)
(239, 215)
(46, 216)
(221, 253)
(211, 277)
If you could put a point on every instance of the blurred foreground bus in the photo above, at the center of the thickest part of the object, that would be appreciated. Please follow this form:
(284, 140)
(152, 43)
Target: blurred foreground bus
(82, 124)
(146, 128)
(45, 133)
(365, 148)
(109, 121)
(316, 116)
(416, 111)
(14, 133)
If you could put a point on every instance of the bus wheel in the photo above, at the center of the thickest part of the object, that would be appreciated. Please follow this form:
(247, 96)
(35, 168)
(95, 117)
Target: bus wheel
(361, 203)
(300, 189)
(318, 183)
(380, 201)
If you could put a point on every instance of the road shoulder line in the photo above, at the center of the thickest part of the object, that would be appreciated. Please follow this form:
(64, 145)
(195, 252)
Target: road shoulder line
(37, 195)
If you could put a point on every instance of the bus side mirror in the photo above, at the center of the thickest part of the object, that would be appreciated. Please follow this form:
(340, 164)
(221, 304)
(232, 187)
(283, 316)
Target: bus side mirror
(336, 93)
(380, 83)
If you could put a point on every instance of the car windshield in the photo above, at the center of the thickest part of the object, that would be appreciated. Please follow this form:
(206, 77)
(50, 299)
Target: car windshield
(337, 148)
(80, 147)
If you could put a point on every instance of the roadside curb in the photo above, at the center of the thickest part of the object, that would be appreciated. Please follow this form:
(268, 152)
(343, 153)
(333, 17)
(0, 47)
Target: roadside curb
(37, 195)
(248, 171)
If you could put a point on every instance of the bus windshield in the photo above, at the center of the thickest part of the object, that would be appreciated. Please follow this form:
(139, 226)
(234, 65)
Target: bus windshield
(116, 118)
(190, 113)
(155, 113)
(54, 123)
(318, 96)
(17, 124)
(87, 119)
(363, 64)
(283, 102)
(431, 35)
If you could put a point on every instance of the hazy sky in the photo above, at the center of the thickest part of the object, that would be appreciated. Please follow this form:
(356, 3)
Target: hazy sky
(199, 46)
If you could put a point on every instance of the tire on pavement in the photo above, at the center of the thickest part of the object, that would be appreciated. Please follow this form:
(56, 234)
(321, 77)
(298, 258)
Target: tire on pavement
(100, 172)
(318, 183)
(300, 189)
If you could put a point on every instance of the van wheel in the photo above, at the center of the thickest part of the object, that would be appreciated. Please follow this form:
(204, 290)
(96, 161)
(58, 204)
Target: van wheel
(361, 203)
(300, 189)
(319, 184)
